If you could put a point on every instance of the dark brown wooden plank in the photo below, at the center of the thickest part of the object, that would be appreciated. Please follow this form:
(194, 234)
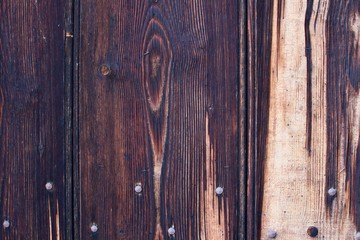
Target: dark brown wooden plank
(259, 32)
(159, 106)
(70, 104)
(32, 119)
(75, 119)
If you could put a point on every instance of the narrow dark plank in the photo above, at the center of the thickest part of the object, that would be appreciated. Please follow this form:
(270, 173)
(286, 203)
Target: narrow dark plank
(159, 106)
(259, 24)
(75, 119)
(32, 119)
(69, 115)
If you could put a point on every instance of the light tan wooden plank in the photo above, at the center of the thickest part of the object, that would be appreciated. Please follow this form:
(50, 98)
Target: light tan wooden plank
(299, 164)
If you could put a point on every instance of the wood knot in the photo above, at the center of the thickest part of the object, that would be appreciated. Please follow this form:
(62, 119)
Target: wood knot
(156, 65)
(105, 70)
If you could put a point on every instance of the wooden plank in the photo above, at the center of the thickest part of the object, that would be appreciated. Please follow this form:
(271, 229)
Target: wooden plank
(259, 30)
(312, 138)
(32, 119)
(75, 119)
(70, 128)
(159, 106)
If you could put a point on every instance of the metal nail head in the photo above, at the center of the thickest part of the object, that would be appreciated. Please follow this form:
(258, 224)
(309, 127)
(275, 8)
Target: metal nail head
(6, 224)
(94, 228)
(219, 190)
(49, 186)
(332, 192)
(138, 188)
(312, 231)
(271, 233)
(171, 231)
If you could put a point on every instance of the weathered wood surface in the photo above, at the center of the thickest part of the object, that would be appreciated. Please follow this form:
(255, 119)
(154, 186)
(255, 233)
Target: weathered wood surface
(153, 94)
(304, 72)
(32, 130)
(159, 107)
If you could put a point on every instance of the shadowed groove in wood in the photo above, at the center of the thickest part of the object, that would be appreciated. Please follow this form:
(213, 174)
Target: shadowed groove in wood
(309, 11)
(280, 17)
(242, 153)
(156, 76)
(343, 68)
(2, 102)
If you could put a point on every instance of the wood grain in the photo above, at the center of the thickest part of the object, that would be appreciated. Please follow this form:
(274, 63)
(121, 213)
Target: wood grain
(156, 76)
(32, 85)
(166, 117)
(312, 136)
(259, 30)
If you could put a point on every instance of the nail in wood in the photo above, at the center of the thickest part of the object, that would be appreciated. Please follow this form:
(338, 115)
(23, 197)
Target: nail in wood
(219, 190)
(271, 233)
(6, 224)
(49, 186)
(138, 188)
(94, 228)
(171, 231)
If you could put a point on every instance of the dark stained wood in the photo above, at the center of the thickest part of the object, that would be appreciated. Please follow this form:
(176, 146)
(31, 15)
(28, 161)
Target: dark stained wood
(166, 116)
(342, 92)
(75, 120)
(32, 119)
(69, 119)
(259, 36)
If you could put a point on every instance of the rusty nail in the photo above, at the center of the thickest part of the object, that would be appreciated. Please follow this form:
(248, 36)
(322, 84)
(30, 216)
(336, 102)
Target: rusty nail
(312, 231)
